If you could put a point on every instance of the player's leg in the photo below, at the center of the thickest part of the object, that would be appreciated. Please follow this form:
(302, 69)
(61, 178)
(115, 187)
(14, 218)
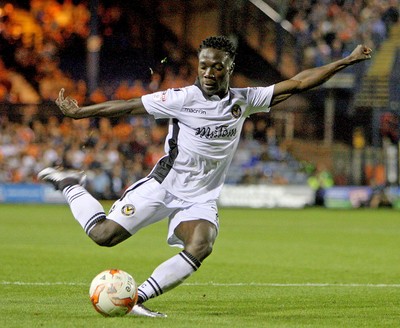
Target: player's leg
(88, 211)
(198, 236)
(108, 233)
(84, 207)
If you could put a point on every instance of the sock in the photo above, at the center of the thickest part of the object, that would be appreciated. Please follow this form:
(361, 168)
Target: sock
(168, 275)
(85, 208)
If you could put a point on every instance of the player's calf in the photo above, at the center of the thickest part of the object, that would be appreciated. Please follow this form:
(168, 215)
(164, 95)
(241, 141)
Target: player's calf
(86, 209)
(108, 233)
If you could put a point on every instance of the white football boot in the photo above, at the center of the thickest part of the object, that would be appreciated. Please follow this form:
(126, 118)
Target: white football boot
(142, 311)
(60, 178)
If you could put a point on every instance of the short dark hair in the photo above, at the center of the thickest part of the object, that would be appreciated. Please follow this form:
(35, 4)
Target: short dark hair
(219, 42)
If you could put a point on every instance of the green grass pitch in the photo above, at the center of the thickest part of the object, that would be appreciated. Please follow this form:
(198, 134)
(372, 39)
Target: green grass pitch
(270, 268)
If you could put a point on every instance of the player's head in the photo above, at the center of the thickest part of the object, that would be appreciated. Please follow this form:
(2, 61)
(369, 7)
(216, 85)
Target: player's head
(216, 62)
(221, 43)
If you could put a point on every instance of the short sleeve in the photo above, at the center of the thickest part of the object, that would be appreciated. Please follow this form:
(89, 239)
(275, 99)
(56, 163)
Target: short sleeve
(164, 104)
(259, 98)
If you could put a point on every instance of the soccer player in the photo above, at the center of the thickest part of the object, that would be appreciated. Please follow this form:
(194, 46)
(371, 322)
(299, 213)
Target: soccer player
(206, 119)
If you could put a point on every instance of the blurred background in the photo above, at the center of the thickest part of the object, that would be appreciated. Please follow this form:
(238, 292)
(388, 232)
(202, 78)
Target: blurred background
(338, 143)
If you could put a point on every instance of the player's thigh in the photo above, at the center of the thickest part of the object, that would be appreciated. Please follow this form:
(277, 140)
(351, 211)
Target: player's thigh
(196, 232)
(195, 225)
(141, 205)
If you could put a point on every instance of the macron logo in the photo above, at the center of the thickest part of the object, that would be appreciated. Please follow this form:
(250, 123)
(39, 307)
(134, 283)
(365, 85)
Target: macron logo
(194, 110)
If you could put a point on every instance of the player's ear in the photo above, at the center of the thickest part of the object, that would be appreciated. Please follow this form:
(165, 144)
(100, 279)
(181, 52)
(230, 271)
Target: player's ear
(231, 68)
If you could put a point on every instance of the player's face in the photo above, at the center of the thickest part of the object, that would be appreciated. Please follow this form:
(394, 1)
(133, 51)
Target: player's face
(214, 70)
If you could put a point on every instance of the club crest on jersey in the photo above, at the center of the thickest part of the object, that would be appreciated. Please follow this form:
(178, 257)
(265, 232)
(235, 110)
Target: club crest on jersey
(128, 209)
(236, 111)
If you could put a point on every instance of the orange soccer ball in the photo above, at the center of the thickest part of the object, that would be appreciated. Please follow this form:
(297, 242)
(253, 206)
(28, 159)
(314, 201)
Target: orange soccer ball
(113, 293)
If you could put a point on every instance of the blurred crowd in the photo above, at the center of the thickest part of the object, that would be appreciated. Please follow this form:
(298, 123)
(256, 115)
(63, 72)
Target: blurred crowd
(113, 153)
(328, 29)
(33, 39)
(30, 41)
(116, 153)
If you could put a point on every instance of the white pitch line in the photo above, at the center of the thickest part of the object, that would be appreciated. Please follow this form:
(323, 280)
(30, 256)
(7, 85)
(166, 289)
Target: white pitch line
(215, 284)
(255, 284)
(24, 283)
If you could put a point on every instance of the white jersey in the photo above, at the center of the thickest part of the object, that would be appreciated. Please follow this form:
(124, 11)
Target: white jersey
(203, 135)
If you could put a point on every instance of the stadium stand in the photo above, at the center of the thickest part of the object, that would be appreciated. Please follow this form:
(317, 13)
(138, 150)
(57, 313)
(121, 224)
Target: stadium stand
(43, 48)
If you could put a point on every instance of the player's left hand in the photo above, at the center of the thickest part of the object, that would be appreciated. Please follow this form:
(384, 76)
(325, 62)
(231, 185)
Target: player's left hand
(360, 53)
(68, 105)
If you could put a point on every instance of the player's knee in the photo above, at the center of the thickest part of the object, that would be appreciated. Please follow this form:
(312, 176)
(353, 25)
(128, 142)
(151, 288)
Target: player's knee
(200, 250)
(206, 251)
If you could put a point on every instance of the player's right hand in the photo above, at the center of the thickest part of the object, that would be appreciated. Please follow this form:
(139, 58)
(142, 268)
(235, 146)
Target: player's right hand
(68, 105)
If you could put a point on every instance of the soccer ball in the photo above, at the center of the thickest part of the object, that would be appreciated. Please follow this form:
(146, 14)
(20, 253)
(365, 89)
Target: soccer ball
(113, 293)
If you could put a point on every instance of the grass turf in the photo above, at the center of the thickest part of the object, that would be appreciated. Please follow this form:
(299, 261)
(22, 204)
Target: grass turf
(270, 268)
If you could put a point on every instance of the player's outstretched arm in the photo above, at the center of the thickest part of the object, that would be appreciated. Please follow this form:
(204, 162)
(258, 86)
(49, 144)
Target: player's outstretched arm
(112, 108)
(313, 77)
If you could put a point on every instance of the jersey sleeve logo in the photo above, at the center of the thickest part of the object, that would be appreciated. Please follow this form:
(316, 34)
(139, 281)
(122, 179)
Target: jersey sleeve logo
(160, 96)
(236, 111)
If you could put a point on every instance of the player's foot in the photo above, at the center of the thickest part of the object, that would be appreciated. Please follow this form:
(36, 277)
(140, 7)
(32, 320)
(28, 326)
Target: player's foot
(60, 178)
(140, 310)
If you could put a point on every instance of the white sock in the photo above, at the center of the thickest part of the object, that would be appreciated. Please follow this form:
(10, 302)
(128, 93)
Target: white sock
(85, 208)
(168, 275)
